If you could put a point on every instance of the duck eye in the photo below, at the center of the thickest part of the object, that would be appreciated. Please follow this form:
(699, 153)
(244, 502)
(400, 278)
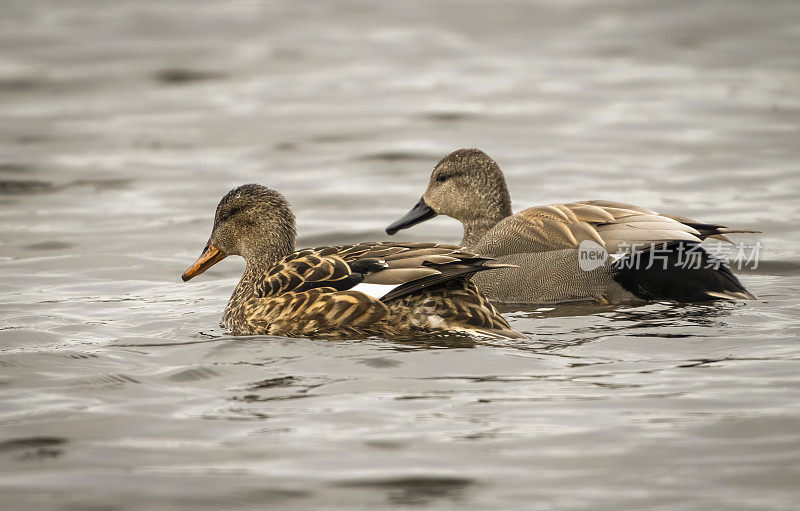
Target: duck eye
(441, 178)
(227, 214)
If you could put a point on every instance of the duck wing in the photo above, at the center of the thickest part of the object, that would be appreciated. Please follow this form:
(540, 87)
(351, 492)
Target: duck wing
(383, 270)
(615, 226)
(412, 267)
(348, 288)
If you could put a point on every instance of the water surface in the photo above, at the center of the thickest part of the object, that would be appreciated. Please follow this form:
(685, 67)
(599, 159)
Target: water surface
(123, 124)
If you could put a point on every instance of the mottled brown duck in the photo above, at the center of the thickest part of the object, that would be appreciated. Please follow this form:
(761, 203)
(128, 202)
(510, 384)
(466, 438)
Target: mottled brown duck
(546, 243)
(367, 289)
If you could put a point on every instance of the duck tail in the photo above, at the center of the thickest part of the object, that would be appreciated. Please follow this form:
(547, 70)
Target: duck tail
(681, 271)
(715, 231)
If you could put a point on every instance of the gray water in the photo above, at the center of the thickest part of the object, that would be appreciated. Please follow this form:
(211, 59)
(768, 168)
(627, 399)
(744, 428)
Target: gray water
(122, 124)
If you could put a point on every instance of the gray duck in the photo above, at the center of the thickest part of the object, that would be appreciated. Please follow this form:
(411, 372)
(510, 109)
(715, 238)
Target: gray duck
(544, 242)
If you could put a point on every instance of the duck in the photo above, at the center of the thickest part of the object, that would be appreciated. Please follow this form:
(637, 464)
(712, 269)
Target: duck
(385, 289)
(548, 245)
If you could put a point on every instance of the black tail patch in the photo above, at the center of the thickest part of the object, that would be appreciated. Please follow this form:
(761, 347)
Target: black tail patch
(682, 271)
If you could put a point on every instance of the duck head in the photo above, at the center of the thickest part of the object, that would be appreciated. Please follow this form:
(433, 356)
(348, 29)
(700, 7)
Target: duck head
(251, 221)
(466, 185)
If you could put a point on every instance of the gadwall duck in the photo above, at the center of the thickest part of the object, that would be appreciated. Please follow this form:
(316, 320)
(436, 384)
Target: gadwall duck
(548, 242)
(384, 289)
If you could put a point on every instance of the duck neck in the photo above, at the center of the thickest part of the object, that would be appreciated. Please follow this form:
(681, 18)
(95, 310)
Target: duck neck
(476, 228)
(258, 264)
(245, 290)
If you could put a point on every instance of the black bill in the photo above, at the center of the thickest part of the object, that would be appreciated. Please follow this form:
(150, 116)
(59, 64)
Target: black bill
(419, 213)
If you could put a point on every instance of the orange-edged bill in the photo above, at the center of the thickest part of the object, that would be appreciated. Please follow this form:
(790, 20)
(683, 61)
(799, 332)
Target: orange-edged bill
(211, 255)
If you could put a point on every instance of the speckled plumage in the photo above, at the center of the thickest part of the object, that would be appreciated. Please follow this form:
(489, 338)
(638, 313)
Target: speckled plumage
(314, 292)
(298, 296)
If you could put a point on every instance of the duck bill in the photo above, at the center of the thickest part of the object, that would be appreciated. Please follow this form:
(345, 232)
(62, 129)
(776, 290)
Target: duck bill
(211, 255)
(418, 214)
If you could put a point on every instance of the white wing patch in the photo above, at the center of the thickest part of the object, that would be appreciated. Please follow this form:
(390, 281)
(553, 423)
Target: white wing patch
(374, 290)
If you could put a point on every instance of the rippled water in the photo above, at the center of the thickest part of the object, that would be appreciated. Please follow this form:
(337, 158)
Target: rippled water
(122, 125)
